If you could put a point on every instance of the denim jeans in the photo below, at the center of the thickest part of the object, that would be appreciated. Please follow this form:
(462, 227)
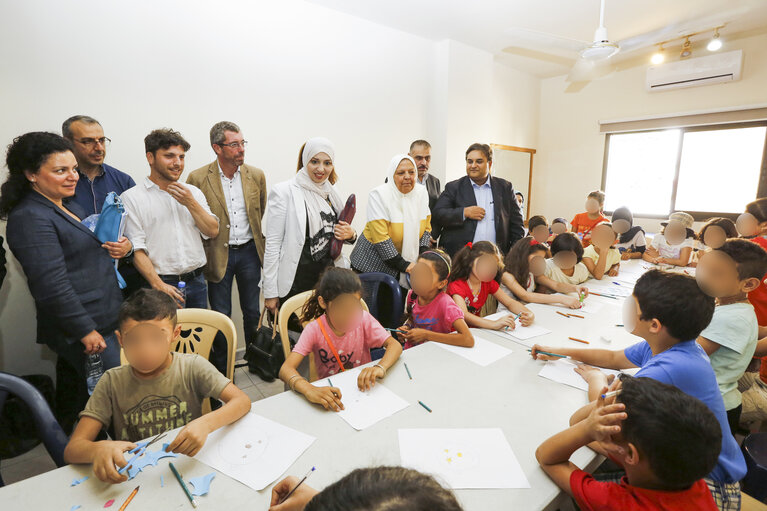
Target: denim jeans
(245, 266)
(196, 291)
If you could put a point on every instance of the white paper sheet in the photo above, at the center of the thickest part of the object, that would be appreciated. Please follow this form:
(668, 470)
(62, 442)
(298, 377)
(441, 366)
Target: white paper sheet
(563, 371)
(254, 450)
(483, 353)
(462, 458)
(363, 409)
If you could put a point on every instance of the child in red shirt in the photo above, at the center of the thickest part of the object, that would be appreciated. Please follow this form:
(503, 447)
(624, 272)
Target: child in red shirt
(583, 223)
(666, 440)
(476, 270)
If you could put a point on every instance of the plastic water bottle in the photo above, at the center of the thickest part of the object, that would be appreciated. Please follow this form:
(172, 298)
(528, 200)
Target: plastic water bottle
(182, 289)
(94, 368)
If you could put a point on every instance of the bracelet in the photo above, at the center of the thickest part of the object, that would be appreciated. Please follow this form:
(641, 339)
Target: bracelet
(290, 381)
(382, 368)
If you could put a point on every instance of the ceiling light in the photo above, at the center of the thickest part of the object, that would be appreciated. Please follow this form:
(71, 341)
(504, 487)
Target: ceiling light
(715, 43)
(686, 49)
(658, 57)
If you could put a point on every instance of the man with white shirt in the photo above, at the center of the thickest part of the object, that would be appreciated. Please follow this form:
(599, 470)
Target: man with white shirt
(167, 222)
(236, 194)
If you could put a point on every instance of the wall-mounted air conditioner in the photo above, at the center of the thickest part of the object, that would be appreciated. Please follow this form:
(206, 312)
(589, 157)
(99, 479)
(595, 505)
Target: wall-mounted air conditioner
(716, 68)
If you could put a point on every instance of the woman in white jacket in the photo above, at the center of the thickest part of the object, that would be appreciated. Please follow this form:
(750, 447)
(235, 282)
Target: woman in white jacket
(302, 220)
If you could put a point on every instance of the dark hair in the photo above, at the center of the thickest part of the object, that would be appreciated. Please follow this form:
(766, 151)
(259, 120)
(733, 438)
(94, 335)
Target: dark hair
(147, 305)
(441, 262)
(332, 178)
(163, 139)
(535, 221)
(66, 127)
(678, 435)
(333, 283)
(599, 195)
(27, 153)
(483, 148)
(750, 258)
(725, 223)
(758, 208)
(384, 489)
(676, 301)
(420, 142)
(520, 194)
(559, 220)
(567, 242)
(517, 262)
(463, 260)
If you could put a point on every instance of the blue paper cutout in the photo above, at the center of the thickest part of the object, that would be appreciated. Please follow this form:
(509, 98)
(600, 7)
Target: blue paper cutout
(75, 507)
(75, 482)
(162, 483)
(201, 484)
(149, 458)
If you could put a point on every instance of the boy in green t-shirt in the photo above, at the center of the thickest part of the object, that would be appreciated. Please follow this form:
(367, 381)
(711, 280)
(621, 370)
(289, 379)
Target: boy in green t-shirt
(160, 390)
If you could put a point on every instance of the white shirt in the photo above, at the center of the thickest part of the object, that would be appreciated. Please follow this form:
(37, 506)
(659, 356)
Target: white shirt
(239, 230)
(158, 224)
(667, 250)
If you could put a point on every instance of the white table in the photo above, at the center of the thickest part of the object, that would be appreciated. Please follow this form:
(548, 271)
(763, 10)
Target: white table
(507, 394)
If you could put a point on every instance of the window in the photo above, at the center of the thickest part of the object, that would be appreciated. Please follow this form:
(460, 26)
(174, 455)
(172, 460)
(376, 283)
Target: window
(705, 171)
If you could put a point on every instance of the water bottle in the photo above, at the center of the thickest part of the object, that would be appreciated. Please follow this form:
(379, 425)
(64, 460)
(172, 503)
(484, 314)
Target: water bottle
(182, 289)
(94, 368)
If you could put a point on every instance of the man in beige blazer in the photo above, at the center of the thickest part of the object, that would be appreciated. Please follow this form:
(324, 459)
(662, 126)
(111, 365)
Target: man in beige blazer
(236, 194)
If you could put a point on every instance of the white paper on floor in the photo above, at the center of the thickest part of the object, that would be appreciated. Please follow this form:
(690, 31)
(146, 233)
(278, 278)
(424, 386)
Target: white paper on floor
(563, 371)
(254, 450)
(483, 353)
(363, 409)
(462, 458)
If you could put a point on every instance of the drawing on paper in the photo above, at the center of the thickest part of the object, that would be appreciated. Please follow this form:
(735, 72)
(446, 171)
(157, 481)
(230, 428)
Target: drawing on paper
(243, 447)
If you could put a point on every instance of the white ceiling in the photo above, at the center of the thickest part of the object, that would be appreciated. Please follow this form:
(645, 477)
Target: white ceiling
(486, 24)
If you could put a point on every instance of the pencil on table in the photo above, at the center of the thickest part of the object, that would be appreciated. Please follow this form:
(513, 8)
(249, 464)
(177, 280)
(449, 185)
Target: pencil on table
(130, 497)
(408, 371)
(575, 316)
(563, 314)
(579, 340)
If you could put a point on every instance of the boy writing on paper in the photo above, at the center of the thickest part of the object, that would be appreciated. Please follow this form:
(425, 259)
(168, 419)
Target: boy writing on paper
(160, 390)
(669, 311)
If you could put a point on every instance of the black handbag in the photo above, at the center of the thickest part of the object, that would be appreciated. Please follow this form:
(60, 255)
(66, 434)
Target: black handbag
(263, 351)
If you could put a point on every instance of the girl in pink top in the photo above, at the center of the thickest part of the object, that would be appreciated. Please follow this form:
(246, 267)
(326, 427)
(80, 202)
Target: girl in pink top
(340, 334)
(432, 314)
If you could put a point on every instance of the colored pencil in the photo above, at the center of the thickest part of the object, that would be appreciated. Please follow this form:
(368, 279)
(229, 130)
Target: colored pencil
(606, 296)
(611, 393)
(619, 325)
(427, 408)
(286, 497)
(575, 316)
(130, 497)
(549, 354)
(183, 485)
(395, 330)
(563, 314)
(330, 382)
(408, 372)
(579, 340)
(617, 283)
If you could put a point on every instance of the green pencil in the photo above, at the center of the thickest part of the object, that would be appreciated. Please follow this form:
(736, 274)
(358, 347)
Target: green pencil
(183, 485)
(549, 354)
(408, 372)
(427, 408)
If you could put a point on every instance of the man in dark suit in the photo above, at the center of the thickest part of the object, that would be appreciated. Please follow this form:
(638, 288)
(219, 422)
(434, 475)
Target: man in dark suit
(478, 207)
(420, 151)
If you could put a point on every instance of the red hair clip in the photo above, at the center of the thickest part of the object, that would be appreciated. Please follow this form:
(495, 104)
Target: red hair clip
(534, 242)
(470, 245)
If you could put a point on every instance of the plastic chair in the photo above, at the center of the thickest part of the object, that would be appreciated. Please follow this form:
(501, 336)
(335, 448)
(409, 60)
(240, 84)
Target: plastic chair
(755, 451)
(386, 306)
(294, 305)
(198, 329)
(49, 430)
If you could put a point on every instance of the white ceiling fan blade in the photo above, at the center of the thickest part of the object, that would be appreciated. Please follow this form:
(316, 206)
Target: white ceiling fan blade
(587, 70)
(542, 41)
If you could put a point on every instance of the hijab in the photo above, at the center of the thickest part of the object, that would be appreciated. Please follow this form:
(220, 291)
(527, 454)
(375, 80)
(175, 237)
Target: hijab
(623, 213)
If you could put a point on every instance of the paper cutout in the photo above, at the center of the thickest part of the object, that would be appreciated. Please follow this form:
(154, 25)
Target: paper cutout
(109, 503)
(75, 482)
(483, 353)
(75, 507)
(260, 466)
(201, 484)
(463, 458)
(563, 371)
(363, 409)
(162, 482)
(149, 458)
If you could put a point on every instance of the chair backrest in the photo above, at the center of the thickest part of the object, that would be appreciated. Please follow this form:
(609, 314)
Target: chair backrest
(48, 428)
(198, 329)
(387, 303)
(294, 305)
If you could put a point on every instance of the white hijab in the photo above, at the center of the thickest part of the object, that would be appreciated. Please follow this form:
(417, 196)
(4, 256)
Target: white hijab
(388, 203)
(323, 204)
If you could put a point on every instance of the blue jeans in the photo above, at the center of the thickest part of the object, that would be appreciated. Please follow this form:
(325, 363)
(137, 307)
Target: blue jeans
(244, 265)
(196, 291)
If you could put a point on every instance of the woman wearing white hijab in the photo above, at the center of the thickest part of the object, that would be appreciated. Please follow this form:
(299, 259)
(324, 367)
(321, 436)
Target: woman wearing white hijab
(398, 223)
(302, 220)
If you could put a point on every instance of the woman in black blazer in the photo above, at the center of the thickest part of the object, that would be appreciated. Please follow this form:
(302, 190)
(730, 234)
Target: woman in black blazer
(71, 275)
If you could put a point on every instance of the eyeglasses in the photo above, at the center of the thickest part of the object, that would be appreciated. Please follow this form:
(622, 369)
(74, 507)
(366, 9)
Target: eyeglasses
(235, 145)
(92, 142)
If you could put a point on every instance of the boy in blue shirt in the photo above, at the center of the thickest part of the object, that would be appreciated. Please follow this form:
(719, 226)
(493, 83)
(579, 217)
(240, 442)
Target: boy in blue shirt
(669, 311)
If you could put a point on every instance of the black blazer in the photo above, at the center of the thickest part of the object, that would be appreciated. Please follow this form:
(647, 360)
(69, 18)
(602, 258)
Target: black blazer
(70, 276)
(457, 232)
(434, 188)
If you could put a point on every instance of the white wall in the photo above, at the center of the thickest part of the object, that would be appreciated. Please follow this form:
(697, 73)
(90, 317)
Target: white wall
(284, 71)
(571, 149)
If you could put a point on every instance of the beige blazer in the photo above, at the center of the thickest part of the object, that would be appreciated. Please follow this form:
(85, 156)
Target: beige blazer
(208, 180)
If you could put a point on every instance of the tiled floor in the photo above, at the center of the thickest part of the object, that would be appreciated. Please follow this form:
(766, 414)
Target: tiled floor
(37, 460)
